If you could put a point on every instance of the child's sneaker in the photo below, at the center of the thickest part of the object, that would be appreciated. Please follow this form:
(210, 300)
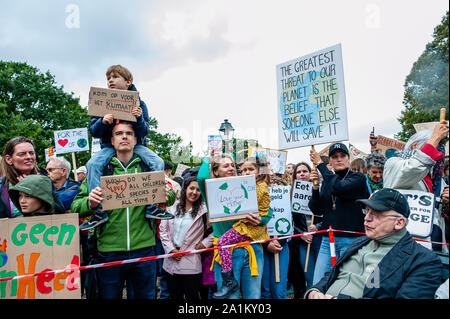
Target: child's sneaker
(153, 211)
(99, 218)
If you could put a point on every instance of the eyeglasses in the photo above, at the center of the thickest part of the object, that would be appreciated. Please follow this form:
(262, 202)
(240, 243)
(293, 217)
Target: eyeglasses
(377, 215)
(51, 169)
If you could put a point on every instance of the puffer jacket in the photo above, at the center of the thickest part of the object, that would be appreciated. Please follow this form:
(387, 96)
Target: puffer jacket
(189, 264)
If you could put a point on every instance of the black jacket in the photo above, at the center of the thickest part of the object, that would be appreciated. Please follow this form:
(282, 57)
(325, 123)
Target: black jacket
(342, 188)
(408, 271)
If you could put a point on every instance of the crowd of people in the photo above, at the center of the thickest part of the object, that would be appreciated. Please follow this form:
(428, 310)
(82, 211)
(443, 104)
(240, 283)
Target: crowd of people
(359, 196)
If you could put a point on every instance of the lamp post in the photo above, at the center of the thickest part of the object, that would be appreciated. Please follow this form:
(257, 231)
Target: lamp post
(226, 133)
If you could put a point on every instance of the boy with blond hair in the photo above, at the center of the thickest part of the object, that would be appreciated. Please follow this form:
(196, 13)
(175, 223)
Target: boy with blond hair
(120, 78)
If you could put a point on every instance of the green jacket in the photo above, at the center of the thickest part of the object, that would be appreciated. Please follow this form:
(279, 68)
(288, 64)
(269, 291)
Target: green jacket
(222, 227)
(127, 229)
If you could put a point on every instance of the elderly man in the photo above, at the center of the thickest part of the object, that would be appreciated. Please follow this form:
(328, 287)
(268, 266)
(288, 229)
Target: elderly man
(387, 262)
(58, 169)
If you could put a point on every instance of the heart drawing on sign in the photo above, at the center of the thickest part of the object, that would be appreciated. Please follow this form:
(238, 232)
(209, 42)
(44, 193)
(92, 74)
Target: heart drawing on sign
(231, 200)
(117, 187)
(63, 142)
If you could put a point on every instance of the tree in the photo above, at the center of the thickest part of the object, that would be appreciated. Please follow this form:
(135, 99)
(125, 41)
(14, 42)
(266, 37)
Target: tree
(32, 105)
(426, 86)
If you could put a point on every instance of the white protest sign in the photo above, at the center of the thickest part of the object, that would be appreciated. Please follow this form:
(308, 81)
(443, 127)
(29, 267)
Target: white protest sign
(311, 99)
(49, 152)
(231, 197)
(95, 147)
(281, 222)
(215, 143)
(301, 194)
(276, 158)
(70, 141)
(421, 217)
(180, 169)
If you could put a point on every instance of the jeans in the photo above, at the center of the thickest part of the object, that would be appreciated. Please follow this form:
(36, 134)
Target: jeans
(270, 289)
(313, 253)
(323, 262)
(250, 286)
(163, 286)
(141, 275)
(96, 164)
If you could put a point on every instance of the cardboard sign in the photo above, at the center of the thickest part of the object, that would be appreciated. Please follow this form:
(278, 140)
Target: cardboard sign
(129, 190)
(49, 152)
(311, 99)
(429, 126)
(180, 169)
(421, 216)
(32, 245)
(231, 197)
(215, 143)
(276, 158)
(301, 194)
(281, 222)
(110, 101)
(389, 146)
(70, 141)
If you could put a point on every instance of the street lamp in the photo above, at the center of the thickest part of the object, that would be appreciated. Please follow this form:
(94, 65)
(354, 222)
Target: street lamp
(226, 133)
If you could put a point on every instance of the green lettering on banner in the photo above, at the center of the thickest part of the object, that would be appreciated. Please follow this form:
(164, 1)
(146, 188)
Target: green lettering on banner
(36, 229)
(23, 237)
(8, 274)
(70, 230)
(50, 231)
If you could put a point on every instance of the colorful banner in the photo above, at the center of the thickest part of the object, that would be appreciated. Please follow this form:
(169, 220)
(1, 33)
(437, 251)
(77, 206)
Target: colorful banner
(71, 141)
(281, 222)
(276, 158)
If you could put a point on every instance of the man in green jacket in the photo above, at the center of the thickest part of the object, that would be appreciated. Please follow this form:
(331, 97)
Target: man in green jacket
(127, 234)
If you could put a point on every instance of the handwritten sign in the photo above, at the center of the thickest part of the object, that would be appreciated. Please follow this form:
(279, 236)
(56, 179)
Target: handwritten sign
(311, 94)
(180, 169)
(128, 190)
(389, 146)
(70, 141)
(421, 216)
(276, 158)
(356, 153)
(35, 245)
(96, 146)
(49, 152)
(231, 197)
(215, 143)
(301, 194)
(110, 101)
(281, 222)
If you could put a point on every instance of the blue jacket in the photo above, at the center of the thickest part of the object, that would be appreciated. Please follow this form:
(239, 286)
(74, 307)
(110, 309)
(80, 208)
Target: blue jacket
(408, 271)
(67, 192)
(104, 131)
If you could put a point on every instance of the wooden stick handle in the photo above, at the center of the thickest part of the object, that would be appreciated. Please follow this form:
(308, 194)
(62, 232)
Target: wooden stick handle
(277, 265)
(315, 182)
(74, 163)
(309, 247)
(442, 115)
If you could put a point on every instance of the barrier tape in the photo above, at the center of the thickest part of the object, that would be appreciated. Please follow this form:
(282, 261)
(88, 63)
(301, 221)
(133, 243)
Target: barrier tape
(72, 269)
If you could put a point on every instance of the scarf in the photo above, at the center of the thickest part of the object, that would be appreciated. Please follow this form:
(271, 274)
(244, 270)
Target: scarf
(373, 187)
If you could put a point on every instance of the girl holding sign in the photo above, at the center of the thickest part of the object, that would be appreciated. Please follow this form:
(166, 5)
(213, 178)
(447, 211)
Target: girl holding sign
(243, 265)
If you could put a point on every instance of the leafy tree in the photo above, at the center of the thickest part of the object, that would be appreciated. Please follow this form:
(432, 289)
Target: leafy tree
(426, 86)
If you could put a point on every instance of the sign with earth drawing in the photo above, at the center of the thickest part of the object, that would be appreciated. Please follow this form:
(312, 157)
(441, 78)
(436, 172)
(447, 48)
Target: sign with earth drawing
(281, 221)
(71, 141)
(231, 198)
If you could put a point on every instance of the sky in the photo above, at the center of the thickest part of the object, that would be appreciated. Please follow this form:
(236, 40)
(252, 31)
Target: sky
(196, 63)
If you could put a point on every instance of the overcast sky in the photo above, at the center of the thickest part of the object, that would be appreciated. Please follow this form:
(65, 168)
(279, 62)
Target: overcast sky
(197, 63)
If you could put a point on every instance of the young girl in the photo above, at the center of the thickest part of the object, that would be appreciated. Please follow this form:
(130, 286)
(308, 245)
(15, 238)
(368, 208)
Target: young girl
(242, 230)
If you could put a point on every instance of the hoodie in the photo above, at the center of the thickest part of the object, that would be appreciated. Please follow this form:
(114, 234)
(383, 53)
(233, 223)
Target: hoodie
(39, 186)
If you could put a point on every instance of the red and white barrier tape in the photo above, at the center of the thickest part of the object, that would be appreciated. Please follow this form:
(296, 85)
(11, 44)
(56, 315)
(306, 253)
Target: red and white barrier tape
(197, 251)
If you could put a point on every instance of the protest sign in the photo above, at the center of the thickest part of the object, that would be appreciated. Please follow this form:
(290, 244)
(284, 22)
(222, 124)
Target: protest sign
(215, 143)
(276, 158)
(281, 222)
(430, 126)
(180, 169)
(70, 141)
(128, 190)
(421, 216)
(301, 194)
(356, 153)
(34, 245)
(110, 101)
(231, 198)
(389, 147)
(49, 152)
(95, 147)
(311, 99)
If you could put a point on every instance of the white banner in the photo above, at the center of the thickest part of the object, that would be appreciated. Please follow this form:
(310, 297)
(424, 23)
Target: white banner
(281, 222)
(70, 141)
